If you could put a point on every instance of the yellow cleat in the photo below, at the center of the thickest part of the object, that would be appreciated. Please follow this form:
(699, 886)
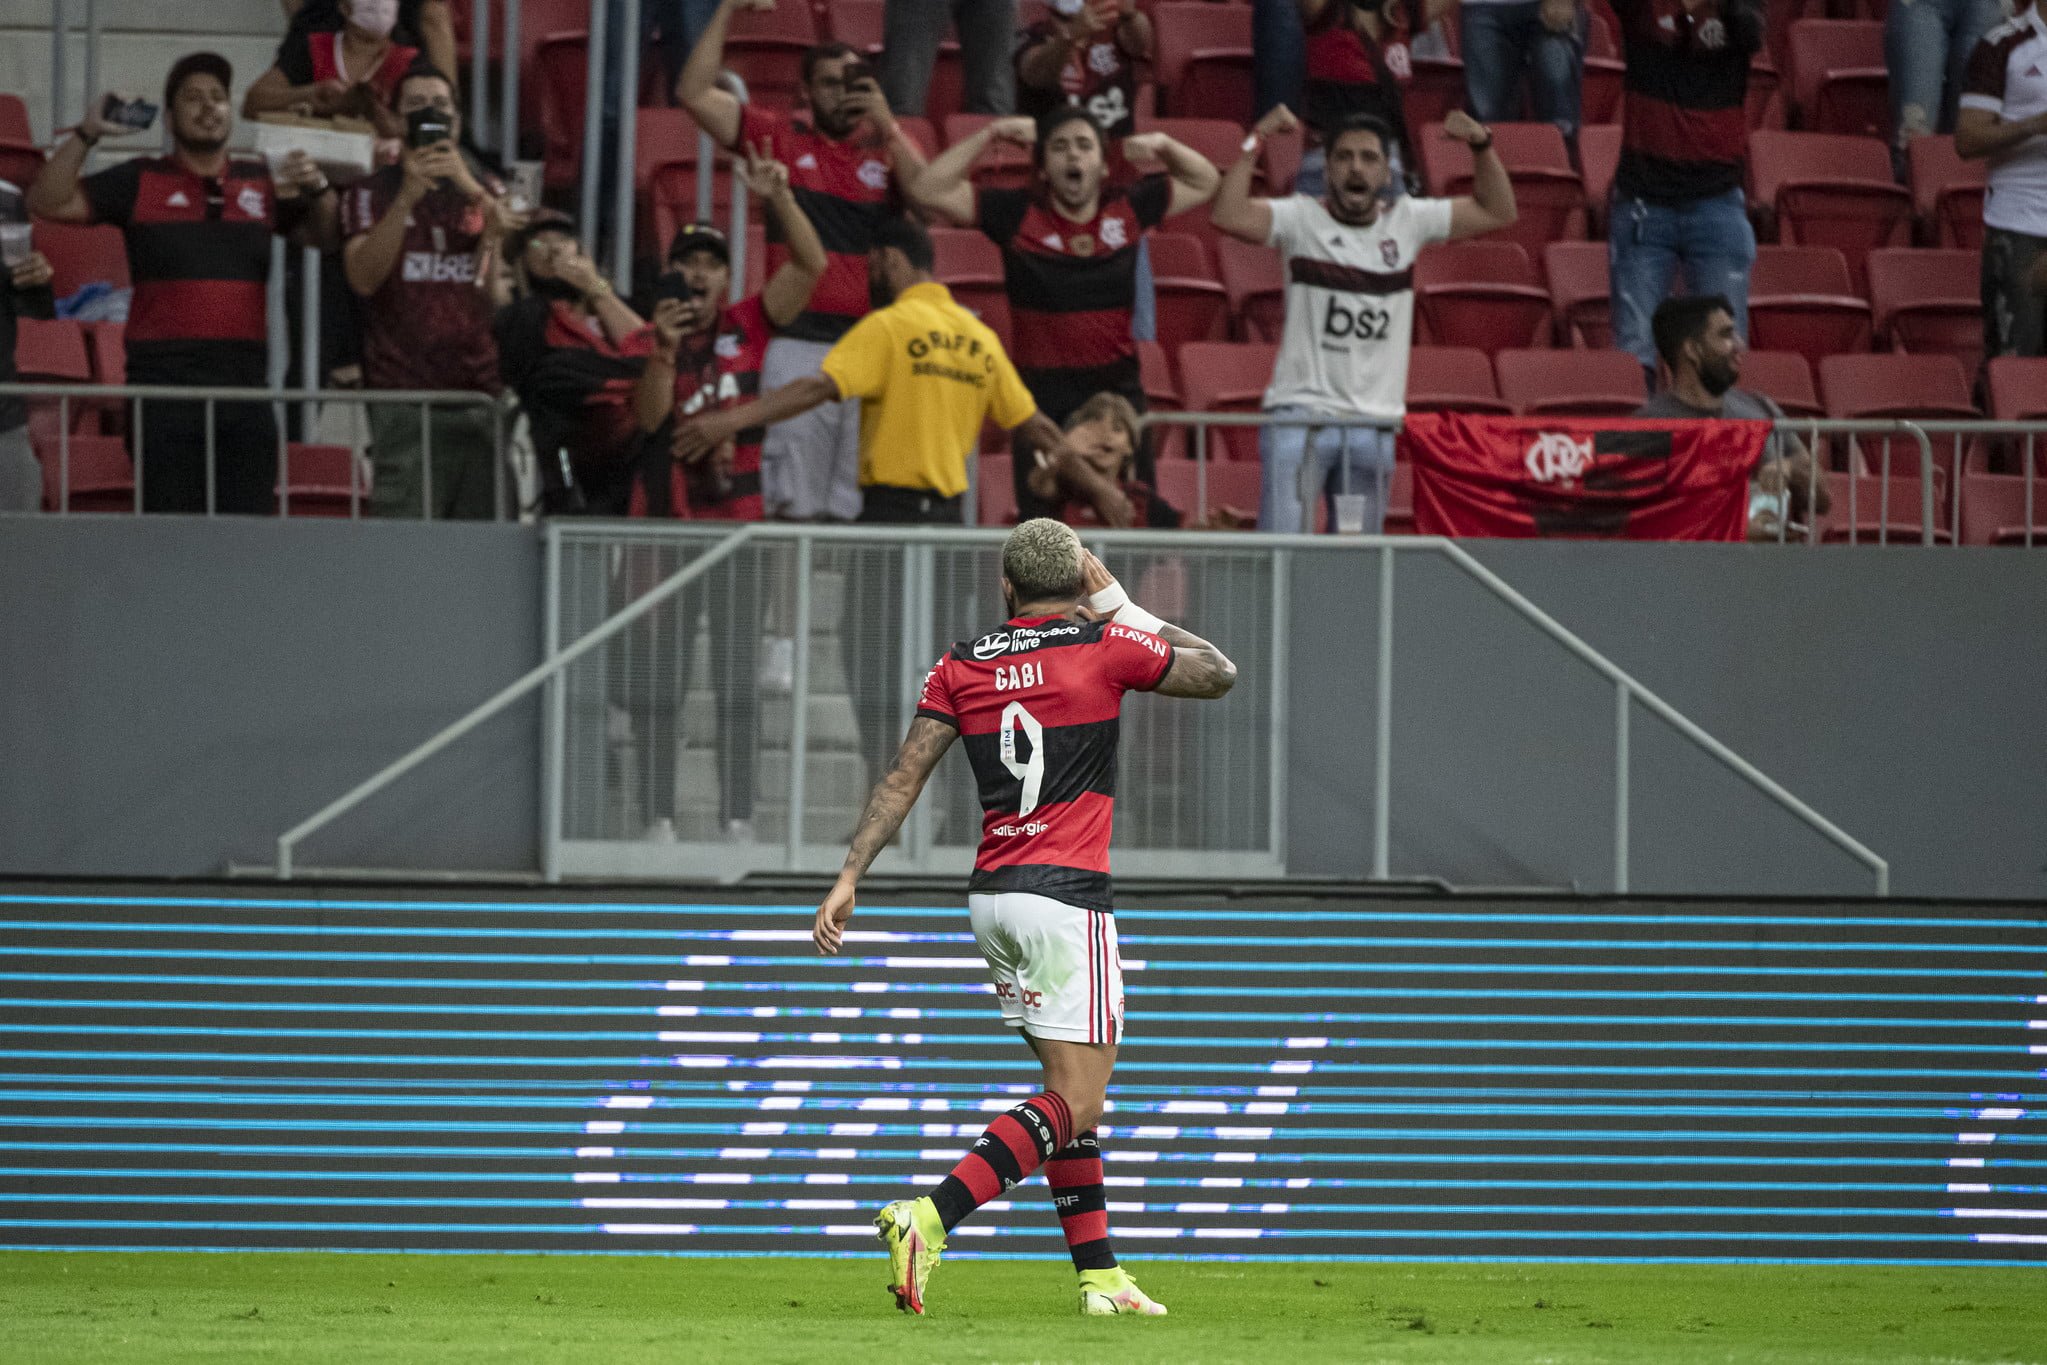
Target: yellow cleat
(914, 1236)
(1104, 1293)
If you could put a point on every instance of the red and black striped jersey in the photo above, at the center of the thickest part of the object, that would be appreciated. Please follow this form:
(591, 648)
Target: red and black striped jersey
(1687, 85)
(1072, 287)
(199, 253)
(846, 187)
(1037, 704)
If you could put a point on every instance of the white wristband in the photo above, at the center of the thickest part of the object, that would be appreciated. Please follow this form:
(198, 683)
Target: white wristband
(1138, 618)
(1109, 600)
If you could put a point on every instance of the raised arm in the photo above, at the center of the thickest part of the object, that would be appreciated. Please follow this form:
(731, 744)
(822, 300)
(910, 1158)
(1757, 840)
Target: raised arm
(1235, 211)
(1490, 205)
(942, 186)
(789, 289)
(1193, 175)
(887, 806)
(716, 110)
(56, 193)
(1199, 670)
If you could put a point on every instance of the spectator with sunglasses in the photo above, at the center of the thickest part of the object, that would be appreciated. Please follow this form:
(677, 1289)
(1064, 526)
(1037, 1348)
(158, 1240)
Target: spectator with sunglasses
(198, 225)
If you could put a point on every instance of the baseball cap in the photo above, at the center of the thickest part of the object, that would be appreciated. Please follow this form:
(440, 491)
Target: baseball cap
(700, 237)
(196, 64)
(544, 220)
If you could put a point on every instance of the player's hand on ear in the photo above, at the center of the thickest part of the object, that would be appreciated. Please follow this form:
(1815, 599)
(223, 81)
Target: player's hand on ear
(832, 916)
(1094, 575)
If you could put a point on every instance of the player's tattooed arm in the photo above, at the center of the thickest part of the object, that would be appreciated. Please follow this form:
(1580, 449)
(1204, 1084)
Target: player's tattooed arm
(1198, 670)
(887, 807)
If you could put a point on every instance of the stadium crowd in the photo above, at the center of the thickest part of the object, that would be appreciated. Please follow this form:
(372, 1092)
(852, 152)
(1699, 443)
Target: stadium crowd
(1120, 227)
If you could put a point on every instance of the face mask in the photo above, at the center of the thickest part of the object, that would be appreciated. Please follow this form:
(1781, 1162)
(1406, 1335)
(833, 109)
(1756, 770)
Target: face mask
(378, 17)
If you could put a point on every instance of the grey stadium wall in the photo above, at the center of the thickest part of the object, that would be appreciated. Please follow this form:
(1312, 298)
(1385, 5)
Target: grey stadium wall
(175, 692)
(1386, 1078)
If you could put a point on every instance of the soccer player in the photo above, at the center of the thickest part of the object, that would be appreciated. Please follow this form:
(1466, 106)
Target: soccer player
(1037, 699)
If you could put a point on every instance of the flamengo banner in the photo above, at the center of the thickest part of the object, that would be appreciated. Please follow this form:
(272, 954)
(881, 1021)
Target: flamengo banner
(1614, 478)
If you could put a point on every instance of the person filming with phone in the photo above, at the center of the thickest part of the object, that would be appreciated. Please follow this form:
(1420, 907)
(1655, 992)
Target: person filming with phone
(198, 225)
(421, 239)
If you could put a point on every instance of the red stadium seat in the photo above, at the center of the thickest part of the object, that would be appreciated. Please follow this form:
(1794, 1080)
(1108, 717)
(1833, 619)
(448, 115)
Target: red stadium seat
(1994, 510)
(1604, 74)
(1192, 305)
(1827, 189)
(1907, 386)
(560, 80)
(1800, 299)
(859, 23)
(970, 265)
(2018, 388)
(1869, 509)
(322, 480)
(1925, 388)
(1004, 165)
(994, 490)
(1480, 293)
(1578, 286)
(1599, 154)
(1254, 279)
(765, 48)
(1203, 59)
(1437, 88)
(923, 132)
(1539, 383)
(1947, 191)
(1226, 376)
(1786, 378)
(1765, 103)
(1156, 369)
(1400, 501)
(14, 124)
(107, 341)
(1927, 302)
(51, 352)
(1220, 140)
(1838, 80)
(80, 255)
(1548, 191)
(1452, 379)
(100, 476)
(1230, 484)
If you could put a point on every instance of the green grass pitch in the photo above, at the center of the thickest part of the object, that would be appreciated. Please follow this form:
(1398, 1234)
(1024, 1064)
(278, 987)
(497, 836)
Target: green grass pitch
(307, 1308)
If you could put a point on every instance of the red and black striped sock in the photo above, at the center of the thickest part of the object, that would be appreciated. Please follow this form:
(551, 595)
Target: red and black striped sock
(1014, 1146)
(1075, 1175)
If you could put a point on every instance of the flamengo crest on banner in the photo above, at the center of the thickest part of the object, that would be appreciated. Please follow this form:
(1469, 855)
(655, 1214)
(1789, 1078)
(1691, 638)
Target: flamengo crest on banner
(1554, 457)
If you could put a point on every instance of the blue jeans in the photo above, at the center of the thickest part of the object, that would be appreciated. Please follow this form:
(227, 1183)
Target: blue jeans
(1144, 313)
(1279, 54)
(1345, 460)
(1646, 244)
(1926, 46)
(1501, 44)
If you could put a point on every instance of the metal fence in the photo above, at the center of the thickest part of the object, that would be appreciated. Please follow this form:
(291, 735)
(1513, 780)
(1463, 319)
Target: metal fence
(738, 725)
(85, 462)
(666, 755)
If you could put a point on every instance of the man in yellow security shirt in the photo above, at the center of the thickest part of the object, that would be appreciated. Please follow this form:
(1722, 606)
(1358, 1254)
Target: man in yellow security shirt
(928, 374)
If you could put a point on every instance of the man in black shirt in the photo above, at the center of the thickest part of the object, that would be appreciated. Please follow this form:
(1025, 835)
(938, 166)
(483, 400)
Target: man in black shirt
(24, 292)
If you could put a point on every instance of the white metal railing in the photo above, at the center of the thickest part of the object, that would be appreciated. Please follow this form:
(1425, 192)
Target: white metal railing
(797, 854)
(133, 396)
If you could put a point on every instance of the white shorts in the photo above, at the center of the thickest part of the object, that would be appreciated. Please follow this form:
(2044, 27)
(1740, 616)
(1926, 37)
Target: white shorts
(1056, 970)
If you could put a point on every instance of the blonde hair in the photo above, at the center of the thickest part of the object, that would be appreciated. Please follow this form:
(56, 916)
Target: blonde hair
(1041, 560)
(1112, 408)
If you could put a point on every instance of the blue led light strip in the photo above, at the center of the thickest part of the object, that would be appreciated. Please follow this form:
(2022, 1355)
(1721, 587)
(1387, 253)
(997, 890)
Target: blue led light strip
(1677, 1083)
